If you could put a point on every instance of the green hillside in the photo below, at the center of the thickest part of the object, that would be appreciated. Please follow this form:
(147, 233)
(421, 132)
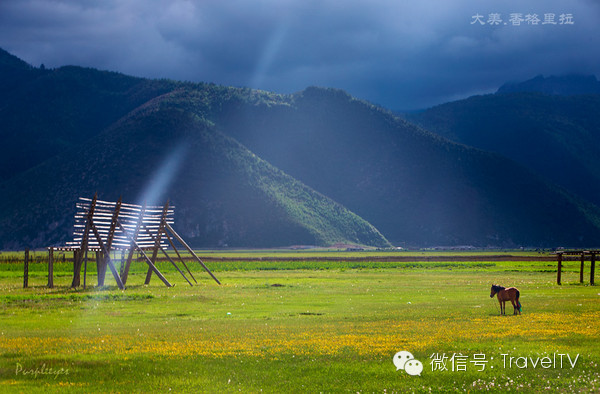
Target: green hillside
(415, 187)
(224, 194)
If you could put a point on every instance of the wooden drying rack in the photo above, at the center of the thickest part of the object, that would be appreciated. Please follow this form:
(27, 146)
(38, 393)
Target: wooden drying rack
(104, 227)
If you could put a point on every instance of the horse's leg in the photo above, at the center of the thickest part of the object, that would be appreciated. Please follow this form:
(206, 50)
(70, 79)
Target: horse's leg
(514, 306)
(500, 302)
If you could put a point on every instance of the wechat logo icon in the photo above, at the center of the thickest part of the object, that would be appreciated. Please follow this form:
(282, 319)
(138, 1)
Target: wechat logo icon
(406, 361)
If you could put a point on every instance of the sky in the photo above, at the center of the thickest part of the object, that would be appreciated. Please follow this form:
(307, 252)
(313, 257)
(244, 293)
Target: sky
(401, 54)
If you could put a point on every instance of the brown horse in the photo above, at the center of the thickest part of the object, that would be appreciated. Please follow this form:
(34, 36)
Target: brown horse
(504, 294)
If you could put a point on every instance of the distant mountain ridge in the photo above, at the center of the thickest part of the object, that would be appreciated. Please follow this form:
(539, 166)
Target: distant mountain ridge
(256, 169)
(55, 110)
(556, 136)
(555, 85)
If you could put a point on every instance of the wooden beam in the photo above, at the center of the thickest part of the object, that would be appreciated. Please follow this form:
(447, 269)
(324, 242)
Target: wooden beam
(26, 269)
(109, 261)
(191, 251)
(51, 267)
(581, 268)
(592, 268)
(558, 271)
(178, 255)
(105, 257)
(156, 209)
(76, 268)
(169, 258)
(101, 264)
(77, 257)
(157, 241)
(113, 225)
(85, 261)
(132, 243)
(122, 265)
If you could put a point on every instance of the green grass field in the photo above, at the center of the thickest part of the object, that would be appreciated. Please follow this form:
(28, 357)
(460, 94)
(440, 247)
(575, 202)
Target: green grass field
(298, 326)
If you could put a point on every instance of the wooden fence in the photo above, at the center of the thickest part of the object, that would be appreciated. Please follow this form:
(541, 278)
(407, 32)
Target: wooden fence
(582, 258)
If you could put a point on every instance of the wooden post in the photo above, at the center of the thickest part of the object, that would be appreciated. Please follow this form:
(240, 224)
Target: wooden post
(132, 248)
(592, 269)
(122, 262)
(100, 267)
(85, 261)
(105, 259)
(26, 270)
(558, 272)
(51, 267)
(78, 257)
(163, 220)
(76, 272)
(581, 268)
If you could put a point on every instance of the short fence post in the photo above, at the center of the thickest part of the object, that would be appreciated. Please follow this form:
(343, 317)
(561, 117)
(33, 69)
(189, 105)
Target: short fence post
(26, 270)
(581, 268)
(592, 269)
(558, 272)
(51, 267)
(76, 271)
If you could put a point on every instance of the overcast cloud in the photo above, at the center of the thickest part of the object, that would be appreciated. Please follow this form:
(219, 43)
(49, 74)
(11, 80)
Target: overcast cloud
(403, 54)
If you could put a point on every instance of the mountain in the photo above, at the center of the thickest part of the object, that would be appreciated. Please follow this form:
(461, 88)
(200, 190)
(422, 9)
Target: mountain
(414, 186)
(555, 85)
(224, 194)
(14, 73)
(46, 112)
(556, 136)
(252, 168)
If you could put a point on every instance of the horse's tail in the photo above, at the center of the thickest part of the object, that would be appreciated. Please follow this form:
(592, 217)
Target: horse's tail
(519, 302)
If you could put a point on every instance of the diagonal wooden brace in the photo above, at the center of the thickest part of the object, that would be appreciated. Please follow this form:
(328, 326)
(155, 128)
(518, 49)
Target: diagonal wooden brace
(148, 261)
(78, 257)
(167, 255)
(108, 259)
(178, 255)
(125, 273)
(157, 241)
(168, 227)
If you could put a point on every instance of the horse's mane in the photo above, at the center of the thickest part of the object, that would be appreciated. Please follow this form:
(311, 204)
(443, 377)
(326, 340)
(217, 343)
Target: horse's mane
(498, 288)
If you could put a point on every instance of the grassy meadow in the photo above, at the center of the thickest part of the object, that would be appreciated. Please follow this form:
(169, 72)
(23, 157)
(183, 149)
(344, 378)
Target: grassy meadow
(300, 326)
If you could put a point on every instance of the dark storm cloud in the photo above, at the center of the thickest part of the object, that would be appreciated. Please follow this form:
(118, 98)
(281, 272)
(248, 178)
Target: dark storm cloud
(402, 54)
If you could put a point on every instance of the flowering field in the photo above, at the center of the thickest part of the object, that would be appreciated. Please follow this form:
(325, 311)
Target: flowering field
(302, 329)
